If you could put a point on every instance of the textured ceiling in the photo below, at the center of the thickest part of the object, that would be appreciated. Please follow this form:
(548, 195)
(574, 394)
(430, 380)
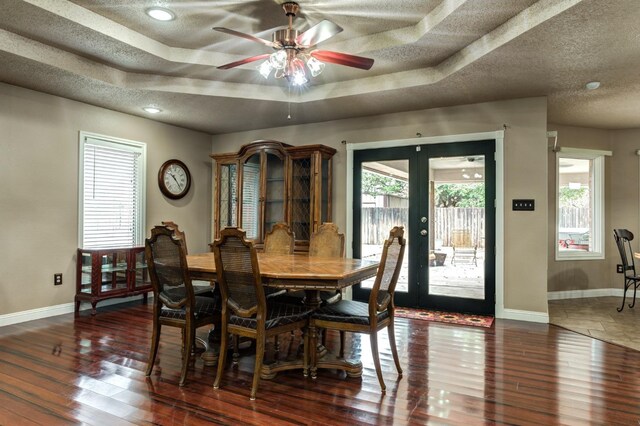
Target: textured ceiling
(428, 53)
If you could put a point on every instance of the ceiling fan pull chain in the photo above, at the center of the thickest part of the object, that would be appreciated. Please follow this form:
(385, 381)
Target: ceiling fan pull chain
(289, 102)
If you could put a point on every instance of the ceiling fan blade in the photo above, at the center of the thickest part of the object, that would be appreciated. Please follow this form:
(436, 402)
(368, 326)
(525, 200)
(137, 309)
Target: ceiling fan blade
(244, 61)
(318, 33)
(343, 59)
(247, 36)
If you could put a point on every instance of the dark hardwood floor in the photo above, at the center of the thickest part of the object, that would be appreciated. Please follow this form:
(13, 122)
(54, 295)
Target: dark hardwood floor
(90, 370)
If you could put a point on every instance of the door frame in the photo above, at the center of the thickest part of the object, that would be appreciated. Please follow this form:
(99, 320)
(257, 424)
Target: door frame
(498, 136)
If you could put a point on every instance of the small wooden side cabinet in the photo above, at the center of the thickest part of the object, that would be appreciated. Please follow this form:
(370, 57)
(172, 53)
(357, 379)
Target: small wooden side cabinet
(110, 273)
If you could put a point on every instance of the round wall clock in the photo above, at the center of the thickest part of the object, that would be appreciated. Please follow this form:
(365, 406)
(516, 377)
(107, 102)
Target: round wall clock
(174, 179)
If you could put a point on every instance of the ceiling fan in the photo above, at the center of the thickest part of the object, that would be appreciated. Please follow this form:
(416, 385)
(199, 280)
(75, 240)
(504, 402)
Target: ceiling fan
(294, 50)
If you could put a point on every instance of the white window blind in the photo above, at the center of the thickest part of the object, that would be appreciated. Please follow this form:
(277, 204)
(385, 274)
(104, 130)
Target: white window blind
(112, 192)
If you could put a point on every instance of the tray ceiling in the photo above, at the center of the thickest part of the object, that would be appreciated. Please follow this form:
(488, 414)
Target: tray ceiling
(428, 53)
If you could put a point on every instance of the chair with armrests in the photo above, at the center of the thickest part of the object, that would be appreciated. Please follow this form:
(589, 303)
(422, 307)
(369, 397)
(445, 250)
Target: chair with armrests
(623, 239)
(369, 318)
(175, 303)
(246, 311)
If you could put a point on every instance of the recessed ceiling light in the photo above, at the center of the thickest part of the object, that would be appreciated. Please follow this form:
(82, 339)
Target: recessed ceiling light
(161, 14)
(152, 110)
(592, 85)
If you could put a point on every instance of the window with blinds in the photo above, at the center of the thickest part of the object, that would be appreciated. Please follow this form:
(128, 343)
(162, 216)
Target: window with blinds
(112, 186)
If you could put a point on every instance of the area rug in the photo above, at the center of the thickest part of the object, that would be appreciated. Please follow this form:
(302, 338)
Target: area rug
(448, 317)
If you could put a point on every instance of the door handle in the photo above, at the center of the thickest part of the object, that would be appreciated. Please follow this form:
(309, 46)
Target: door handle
(423, 232)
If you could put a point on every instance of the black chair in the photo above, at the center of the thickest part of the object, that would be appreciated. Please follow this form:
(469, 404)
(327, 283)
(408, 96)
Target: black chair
(369, 318)
(246, 311)
(623, 241)
(175, 303)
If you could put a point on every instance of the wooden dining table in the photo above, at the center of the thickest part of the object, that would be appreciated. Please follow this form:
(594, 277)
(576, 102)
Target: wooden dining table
(299, 272)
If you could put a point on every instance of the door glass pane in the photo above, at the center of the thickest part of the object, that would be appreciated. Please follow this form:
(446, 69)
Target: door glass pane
(456, 189)
(274, 207)
(251, 196)
(385, 204)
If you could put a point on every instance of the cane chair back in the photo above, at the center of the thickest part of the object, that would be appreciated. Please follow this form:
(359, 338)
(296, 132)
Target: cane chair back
(177, 233)
(200, 288)
(167, 263)
(280, 240)
(390, 265)
(327, 241)
(239, 277)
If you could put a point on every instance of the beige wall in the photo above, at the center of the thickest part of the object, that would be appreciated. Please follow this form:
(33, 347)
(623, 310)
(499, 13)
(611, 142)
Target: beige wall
(39, 193)
(525, 174)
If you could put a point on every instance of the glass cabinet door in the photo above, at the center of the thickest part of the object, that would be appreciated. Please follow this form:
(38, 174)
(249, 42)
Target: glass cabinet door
(274, 192)
(251, 196)
(301, 198)
(84, 279)
(113, 271)
(228, 202)
(140, 276)
(325, 192)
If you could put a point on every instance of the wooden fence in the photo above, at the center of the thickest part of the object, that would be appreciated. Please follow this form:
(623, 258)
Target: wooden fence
(461, 226)
(466, 223)
(574, 217)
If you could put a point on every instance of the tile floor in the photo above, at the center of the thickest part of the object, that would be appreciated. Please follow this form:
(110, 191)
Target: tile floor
(598, 317)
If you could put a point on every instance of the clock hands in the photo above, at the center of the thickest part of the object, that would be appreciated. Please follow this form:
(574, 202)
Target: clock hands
(174, 178)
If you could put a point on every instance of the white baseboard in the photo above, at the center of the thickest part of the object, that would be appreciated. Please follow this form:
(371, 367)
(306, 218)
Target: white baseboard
(65, 308)
(531, 316)
(579, 294)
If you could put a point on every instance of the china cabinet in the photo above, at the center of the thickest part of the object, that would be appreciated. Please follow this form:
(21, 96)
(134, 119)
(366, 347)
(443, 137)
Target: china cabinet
(267, 182)
(109, 273)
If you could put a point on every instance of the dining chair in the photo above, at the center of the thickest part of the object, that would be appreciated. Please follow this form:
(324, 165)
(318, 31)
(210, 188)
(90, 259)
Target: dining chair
(623, 239)
(327, 241)
(371, 317)
(280, 240)
(201, 288)
(175, 303)
(246, 311)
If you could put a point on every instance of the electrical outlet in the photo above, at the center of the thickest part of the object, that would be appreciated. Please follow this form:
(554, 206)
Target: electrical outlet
(57, 279)
(619, 269)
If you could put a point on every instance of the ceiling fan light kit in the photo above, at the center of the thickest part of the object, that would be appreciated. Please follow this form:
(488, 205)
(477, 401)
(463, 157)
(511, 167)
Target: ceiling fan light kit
(294, 56)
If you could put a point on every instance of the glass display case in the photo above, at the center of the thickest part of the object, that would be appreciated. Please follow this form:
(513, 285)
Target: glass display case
(109, 273)
(267, 182)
